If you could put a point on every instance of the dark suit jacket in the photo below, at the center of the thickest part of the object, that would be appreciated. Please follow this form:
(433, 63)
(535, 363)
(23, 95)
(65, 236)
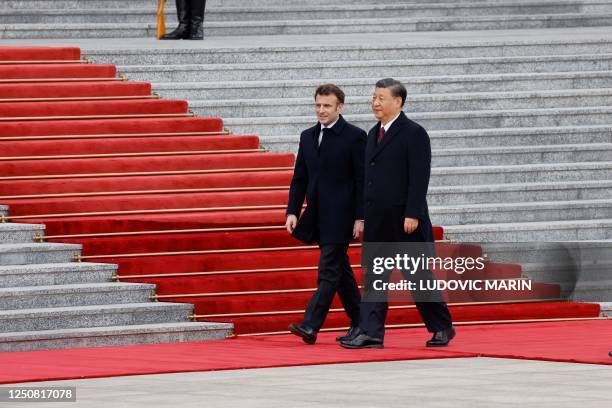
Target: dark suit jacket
(330, 177)
(396, 181)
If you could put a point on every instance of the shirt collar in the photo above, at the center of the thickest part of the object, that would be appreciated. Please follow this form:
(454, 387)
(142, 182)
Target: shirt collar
(331, 125)
(388, 125)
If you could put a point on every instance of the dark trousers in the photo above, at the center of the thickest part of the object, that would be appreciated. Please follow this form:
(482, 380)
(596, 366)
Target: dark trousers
(335, 276)
(435, 314)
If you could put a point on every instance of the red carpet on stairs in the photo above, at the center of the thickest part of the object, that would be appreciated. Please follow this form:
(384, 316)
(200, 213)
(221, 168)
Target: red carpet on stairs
(145, 182)
(555, 341)
(74, 90)
(85, 108)
(96, 172)
(151, 202)
(146, 163)
(56, 71)
(13, 129)
(103, 145)
(39, 53)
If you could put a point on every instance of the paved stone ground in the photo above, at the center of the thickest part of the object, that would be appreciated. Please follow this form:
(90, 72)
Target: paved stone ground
(456, 383)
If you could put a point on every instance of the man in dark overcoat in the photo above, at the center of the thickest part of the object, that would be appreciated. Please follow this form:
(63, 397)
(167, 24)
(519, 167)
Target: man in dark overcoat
(397, 171)
(329, 175)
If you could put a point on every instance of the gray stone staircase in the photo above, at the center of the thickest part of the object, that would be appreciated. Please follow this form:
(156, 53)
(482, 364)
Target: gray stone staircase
(136, 18)
(49, 302)
(521, 129)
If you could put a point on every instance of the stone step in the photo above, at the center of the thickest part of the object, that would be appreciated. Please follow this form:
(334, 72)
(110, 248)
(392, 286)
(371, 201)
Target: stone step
(475, 156)
(606, 309)
(366, 68)
(549, 261)
(297, 88)
(13, 233)
(594, 292)
(211, 4)
(519, 192)
(582, 269)
(81, 16)
(345, 11)
(546, 231)
(145, 26)
(524, 211)
(55, 274)
(371, 48)
(476, 138)
(531, 136)
(308, 12)
(458, 120)
(93, 316)
(526, 173)
(446, 102)
(37, 253)
(114, 336)
(579, 279)
(405, 25)
(81, 294)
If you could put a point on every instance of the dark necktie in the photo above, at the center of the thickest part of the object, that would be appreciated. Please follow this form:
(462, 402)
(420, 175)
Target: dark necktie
(321, 136)
(380, 135)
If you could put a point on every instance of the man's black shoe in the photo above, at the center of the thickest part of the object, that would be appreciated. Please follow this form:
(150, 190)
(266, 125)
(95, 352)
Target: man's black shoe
(183, 13)
(362, 341)
(442, 338)
(308, 335)
(353, 332)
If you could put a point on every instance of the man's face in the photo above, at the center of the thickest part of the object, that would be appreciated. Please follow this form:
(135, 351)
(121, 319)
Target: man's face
(384, 105)
(328, 108)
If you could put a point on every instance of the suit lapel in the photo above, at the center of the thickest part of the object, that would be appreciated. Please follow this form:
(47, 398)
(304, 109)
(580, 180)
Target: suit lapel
(390, 134)
(315, 140)
(333, 132)
(371, 142)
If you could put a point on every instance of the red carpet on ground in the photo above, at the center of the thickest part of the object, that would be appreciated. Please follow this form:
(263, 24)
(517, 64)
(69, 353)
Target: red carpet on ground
(559, 341)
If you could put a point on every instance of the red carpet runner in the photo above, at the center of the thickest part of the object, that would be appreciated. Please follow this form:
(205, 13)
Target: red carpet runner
(88, 153)
(565, 341)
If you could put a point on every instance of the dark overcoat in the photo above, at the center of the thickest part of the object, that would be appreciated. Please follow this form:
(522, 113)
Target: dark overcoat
(330, 177)
(397, 175)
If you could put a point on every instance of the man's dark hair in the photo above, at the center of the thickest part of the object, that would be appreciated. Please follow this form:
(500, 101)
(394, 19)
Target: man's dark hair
(330, 89)
(395, 86)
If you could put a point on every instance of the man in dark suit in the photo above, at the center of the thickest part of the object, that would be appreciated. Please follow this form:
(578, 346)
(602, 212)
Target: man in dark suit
(329, 174)
(397, 170)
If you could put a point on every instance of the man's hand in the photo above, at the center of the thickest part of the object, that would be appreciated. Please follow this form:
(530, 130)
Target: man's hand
(357, 229)
(410, 225)
(291, 223)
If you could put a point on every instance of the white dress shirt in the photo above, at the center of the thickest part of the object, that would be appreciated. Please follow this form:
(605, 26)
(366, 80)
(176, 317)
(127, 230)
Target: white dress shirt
(325, 127)
(389, 123)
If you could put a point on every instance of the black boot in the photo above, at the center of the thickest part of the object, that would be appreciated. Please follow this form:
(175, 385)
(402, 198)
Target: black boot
(196, 26)
(182, 31)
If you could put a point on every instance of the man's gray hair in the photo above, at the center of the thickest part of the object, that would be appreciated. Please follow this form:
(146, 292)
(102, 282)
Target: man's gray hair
(396, 87)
